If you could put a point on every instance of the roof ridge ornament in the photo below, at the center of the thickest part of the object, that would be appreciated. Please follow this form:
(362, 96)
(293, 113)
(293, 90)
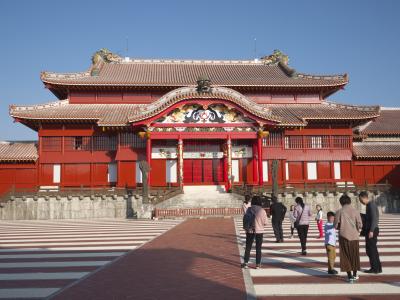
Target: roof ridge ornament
(280, 59)
(100, 57)
(274, 58)
(105, 55)
(204, 84)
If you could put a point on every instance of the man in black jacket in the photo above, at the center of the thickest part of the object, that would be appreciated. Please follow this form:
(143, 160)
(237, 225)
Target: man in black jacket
(278, 211)
(371, 233)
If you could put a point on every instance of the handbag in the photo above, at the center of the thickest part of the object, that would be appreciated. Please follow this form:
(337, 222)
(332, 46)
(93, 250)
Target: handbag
(296, 223)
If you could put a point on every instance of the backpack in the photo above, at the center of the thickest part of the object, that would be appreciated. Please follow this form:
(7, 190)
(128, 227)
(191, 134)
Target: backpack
(249, 219)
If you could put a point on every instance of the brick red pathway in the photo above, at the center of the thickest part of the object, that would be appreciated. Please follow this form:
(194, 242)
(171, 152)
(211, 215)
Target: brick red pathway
(198, 259)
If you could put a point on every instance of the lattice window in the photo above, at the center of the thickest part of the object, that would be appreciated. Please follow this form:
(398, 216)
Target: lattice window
(104, 143)
(341, 141)
(317, 142)
(293, 142)
(51, 143)
(130, 139)
(274, 139)
(77, 143)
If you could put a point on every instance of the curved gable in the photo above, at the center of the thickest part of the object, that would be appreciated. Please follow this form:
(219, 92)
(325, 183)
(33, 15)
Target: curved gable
(179, 95)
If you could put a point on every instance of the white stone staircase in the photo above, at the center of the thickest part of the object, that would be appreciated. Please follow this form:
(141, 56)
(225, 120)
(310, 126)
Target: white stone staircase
(206, 196)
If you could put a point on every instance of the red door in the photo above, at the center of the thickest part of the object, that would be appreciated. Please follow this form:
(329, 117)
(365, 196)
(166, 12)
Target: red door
(158, 175)
(208, 171)
(203, 171)
(188, 171)
(197, 170)
(218, 170)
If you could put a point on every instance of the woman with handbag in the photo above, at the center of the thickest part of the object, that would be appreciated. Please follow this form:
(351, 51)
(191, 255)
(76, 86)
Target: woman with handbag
(348, 222)
(302, 213)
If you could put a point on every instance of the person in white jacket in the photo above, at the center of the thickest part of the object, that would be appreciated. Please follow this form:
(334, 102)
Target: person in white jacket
(292, 219)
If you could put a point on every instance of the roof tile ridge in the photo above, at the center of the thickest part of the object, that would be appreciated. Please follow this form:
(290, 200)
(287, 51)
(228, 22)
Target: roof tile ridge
(353, 106)
(383, 108)
(344, 77)
(191, 61)
(374, 143)
(48, 75)
(57, 103)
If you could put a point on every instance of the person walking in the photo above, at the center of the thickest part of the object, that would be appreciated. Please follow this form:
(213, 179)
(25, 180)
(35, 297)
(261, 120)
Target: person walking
(302, 213)
(320, 222)
(348, 222)
(292, 220)
(371, 233)
(246, 203)
(278, 211)
(257, 232)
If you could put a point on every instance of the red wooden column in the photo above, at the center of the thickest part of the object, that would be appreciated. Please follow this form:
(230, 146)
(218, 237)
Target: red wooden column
(119, 184)
(180, 162)
(255, 162)
(39, 165)
(148, 156)
(229, 162)
(260, 161)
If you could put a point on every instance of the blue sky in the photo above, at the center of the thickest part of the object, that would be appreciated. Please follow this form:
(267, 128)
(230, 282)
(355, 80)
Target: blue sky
(361, 38)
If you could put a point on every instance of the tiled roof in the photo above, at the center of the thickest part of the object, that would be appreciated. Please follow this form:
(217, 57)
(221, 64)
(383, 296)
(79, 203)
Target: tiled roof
(15, 151)
(388, 123)
(388, 150)
(299, 114)
(103, 114)
(177, 73)
(123, 114)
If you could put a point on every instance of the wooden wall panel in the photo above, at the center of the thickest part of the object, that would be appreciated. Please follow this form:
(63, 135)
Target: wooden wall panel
(158, 173)
(394, 176)
(18, 176)
(187, 170)
(82, 97)
(75, 175)
(324, 170)
(127, 174)
(243, 165)
(100, 174)
(197, 171)
(218, 169)
(208, 171)
(109, 97)
(46, 174)
(296, 172)
(345, 170)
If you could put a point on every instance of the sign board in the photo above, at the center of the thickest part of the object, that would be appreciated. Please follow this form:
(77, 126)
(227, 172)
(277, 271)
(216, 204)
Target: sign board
(195, 155)
(163, 152)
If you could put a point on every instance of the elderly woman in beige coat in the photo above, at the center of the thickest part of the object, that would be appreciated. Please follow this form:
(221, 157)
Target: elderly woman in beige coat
(349, 224)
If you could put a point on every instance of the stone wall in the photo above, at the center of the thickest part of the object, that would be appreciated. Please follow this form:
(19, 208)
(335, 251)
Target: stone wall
(74, 207)
(388, 202)
(126, 206)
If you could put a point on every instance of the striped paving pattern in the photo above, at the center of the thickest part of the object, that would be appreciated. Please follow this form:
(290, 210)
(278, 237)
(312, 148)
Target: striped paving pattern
(287, 274)
(38, 258)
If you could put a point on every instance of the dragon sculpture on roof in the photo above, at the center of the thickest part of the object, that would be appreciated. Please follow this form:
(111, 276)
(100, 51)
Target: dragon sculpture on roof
(105, 55)
(276, 57)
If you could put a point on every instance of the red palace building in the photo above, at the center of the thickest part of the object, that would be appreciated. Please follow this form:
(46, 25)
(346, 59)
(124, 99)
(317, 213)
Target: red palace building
(199, 122)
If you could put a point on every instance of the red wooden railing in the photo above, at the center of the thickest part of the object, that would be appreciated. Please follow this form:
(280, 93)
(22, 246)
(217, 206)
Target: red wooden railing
(307, 141)
(197, 212)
